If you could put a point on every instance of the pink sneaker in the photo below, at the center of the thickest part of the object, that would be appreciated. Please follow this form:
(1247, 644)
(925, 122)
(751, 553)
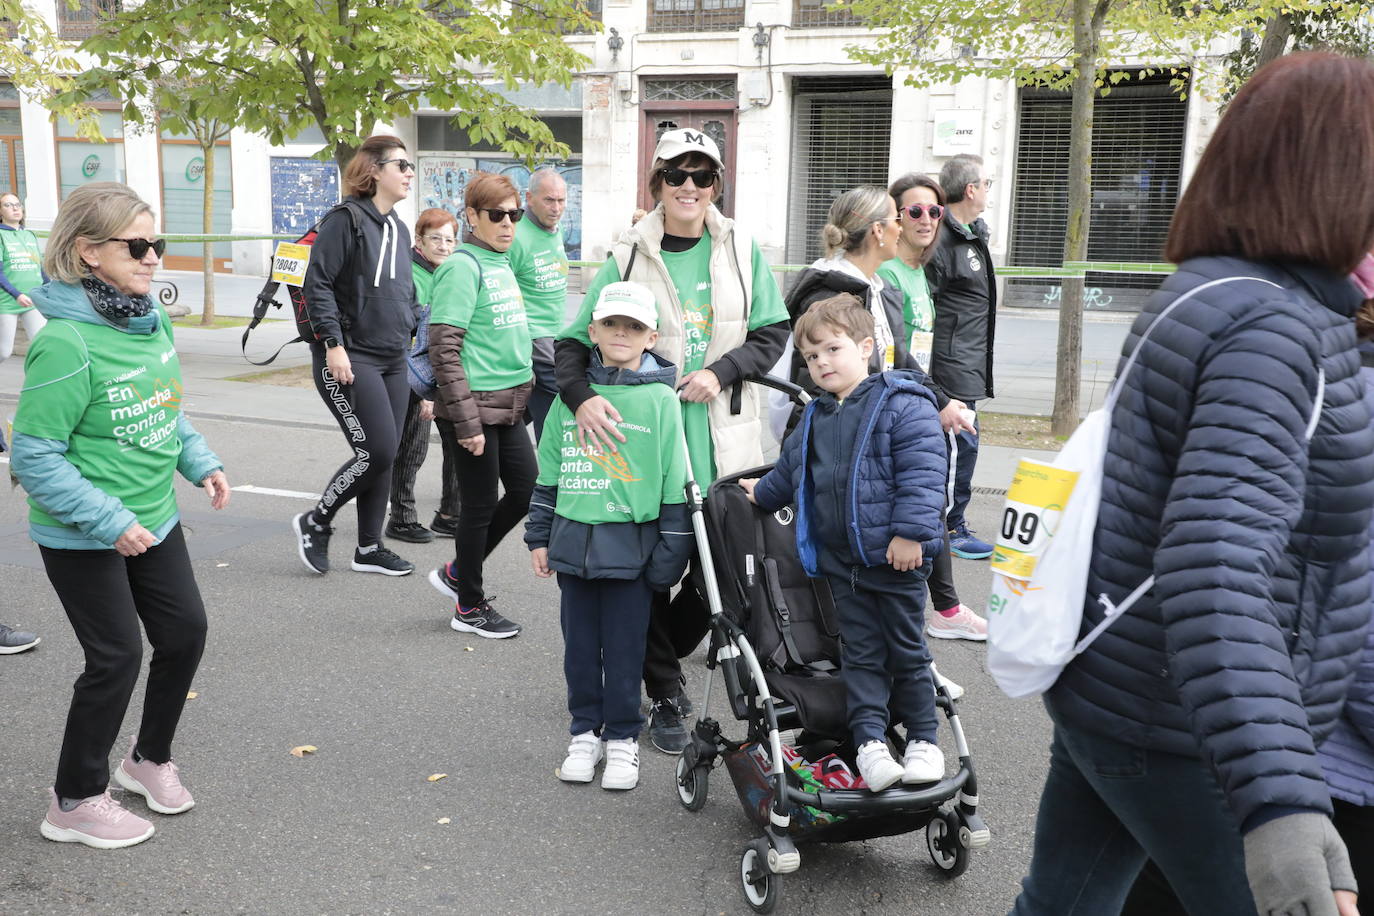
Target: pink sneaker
(963, 625)
(99, 821)
(158, 783)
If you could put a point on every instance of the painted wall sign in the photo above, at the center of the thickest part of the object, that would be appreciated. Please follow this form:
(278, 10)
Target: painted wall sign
(958, 130)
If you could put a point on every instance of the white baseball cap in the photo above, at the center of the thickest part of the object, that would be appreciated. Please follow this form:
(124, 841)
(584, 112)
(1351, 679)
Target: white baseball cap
(628, 299)
(686, 140)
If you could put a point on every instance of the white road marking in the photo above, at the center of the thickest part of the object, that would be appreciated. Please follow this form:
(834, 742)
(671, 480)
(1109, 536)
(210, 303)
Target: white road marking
(272, 491)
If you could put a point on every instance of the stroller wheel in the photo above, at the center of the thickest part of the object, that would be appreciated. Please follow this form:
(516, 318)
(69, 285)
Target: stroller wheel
(692, 783)
(760, 886)
(942, 839)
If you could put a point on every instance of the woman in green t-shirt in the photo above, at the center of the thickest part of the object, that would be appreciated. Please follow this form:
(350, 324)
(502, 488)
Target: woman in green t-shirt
(21, 269)
(98, 437)
(479, 346)
(921, 208)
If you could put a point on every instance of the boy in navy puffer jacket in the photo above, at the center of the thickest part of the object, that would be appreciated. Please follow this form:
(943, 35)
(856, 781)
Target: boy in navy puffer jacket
(867, 471)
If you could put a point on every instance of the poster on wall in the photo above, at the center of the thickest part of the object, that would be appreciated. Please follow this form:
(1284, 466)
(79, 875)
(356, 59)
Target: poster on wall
(444, 176)
(302, 191)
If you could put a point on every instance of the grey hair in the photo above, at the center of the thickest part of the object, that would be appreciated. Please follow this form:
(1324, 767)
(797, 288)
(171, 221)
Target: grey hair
(851, 215)
(95, 212)
(958, 173)
(538, 178)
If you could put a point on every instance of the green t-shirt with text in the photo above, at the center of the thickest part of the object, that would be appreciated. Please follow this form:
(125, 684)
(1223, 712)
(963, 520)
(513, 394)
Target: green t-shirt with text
(114, 398)
(540, 265)
(690, 272)
(23, 262)
(916, 305)
(647, 470)
(474, 289)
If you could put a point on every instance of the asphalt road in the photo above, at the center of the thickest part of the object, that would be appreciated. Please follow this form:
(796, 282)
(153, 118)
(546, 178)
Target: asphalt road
(366, 668)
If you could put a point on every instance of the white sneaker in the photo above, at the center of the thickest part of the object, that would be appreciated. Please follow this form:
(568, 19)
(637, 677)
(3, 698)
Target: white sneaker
(584, 753)
(622, 764)
(924, 763)
(955, 691)
(877, 767)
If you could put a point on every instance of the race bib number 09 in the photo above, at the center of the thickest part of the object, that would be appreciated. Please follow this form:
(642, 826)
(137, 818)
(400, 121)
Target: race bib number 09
(289, 263)
(1035, 502)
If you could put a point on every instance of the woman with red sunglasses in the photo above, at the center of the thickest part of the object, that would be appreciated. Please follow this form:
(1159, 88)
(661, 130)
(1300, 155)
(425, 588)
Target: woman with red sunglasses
(480, 346)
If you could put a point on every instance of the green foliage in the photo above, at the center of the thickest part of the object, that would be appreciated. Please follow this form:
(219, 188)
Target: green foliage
(1347, 28)
(279, 66)
(40, 66)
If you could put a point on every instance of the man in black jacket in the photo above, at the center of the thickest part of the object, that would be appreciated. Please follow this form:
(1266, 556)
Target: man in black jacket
(964, 292)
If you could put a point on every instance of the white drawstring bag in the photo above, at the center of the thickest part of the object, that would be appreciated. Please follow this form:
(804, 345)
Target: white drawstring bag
(1044, 548)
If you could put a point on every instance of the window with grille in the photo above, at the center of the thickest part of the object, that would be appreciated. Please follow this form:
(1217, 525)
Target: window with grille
(841, 137)
(709, 89)
(87, 17)
(695, 15)
(1137, 161)
(811, 14)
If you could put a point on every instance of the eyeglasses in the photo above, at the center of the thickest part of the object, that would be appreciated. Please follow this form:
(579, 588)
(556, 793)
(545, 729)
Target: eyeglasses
(440, 239)
(916, 211)
(16, 205)
(702, 178)
(405, 165)
(987, 184)
(139, 247)
(497, 215)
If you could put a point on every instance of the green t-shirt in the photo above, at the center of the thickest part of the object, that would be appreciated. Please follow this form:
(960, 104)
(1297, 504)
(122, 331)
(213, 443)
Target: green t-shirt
(424, 282)
(631, 484)
(916, 307)
(691, 276)
(474, 289)
(540, 265)
(23, 262)
(114, 398)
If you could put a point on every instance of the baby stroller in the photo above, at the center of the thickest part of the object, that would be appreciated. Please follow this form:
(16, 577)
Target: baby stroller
(774, 640)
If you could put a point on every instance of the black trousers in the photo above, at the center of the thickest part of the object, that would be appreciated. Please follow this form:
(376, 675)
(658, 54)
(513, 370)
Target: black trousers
(411, 454)
(603, 650)
(105, 596)
(370, 412)
(508, 461)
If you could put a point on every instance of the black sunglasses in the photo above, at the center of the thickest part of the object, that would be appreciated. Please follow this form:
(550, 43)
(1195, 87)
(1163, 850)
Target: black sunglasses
(405, 165)
(916, 211)
(702, 178)
(497, 215)
(139, 247)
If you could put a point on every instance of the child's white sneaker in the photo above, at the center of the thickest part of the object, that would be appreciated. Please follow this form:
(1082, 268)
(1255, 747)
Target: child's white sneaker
(622, 764)
(924, 763)
(584, 753)
(877, 767)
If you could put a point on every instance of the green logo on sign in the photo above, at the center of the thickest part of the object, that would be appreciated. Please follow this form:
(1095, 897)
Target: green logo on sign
(90, 166)
(195, 169)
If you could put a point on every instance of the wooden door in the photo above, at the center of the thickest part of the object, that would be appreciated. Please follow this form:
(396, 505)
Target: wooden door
(710, 118)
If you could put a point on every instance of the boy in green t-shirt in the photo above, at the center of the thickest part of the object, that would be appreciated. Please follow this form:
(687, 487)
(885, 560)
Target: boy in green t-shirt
(614, 526)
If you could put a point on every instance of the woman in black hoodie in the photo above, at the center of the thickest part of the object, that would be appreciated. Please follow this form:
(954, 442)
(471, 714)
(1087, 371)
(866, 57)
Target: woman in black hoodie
(363, 311)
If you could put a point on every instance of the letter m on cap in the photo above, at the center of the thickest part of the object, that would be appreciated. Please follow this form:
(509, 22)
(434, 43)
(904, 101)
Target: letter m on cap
(697, 138)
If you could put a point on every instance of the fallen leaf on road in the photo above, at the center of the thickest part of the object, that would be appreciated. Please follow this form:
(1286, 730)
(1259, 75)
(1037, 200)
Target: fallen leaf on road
(467, 649)
(191, 695)
(220, 565)
(444, 820)
(438, 776)
(303, 750)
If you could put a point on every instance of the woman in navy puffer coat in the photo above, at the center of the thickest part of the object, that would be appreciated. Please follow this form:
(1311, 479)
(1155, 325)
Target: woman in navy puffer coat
(1240, 473)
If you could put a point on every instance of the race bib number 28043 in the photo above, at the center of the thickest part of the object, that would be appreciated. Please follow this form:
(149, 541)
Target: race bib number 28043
(289, 263)
(1035, 502)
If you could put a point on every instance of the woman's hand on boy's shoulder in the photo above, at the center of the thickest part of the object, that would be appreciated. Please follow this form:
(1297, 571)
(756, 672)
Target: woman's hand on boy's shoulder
(747, 484)
(539, 562)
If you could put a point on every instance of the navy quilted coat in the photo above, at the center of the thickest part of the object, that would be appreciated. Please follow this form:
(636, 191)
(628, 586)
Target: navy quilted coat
(890, 481)
(1245, 648)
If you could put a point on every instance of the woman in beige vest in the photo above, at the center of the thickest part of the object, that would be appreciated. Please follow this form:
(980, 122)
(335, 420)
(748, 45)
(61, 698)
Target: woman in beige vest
(721, 320)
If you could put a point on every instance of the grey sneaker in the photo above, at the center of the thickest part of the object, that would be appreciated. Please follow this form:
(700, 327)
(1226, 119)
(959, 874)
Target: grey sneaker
(312, 543)
(484, 620)
(13, 641)
(382, 561)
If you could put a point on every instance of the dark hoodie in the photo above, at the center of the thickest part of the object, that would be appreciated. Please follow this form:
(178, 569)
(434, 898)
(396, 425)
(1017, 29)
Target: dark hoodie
(358, 288)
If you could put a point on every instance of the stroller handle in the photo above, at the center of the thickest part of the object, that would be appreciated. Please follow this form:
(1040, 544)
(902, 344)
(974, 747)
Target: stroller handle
(795, 393)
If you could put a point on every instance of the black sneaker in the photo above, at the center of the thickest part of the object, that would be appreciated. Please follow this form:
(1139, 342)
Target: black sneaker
(484, 620)
(684, 706)
(381, 561)
(444, 527)
(13, 641)
(410, 532)
(312, 543)
(444, 580)
(666, 731)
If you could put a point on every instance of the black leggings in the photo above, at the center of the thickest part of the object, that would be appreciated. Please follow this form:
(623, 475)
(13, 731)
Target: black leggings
(507, 460)
(370, 412)
(105, 596)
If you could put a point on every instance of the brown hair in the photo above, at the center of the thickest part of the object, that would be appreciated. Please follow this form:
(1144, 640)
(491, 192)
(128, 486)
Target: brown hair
(1284, 176)
(843, 312)
(357, 177)
(917, 180)
(94, 212)
(686, 161)
(433, 218)
(485, 189)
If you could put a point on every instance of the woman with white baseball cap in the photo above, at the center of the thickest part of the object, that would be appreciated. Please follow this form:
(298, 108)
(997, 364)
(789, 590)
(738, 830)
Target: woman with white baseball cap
(721, 320)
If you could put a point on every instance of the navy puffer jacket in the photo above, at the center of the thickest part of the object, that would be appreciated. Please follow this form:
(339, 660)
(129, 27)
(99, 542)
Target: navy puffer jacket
(1245, 648)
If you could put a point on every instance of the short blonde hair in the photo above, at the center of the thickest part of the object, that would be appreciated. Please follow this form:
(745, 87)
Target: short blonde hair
(95, 212)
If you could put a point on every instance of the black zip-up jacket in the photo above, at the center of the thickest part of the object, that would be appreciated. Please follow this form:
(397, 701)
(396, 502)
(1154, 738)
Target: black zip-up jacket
(963, 289)
(358, 287)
